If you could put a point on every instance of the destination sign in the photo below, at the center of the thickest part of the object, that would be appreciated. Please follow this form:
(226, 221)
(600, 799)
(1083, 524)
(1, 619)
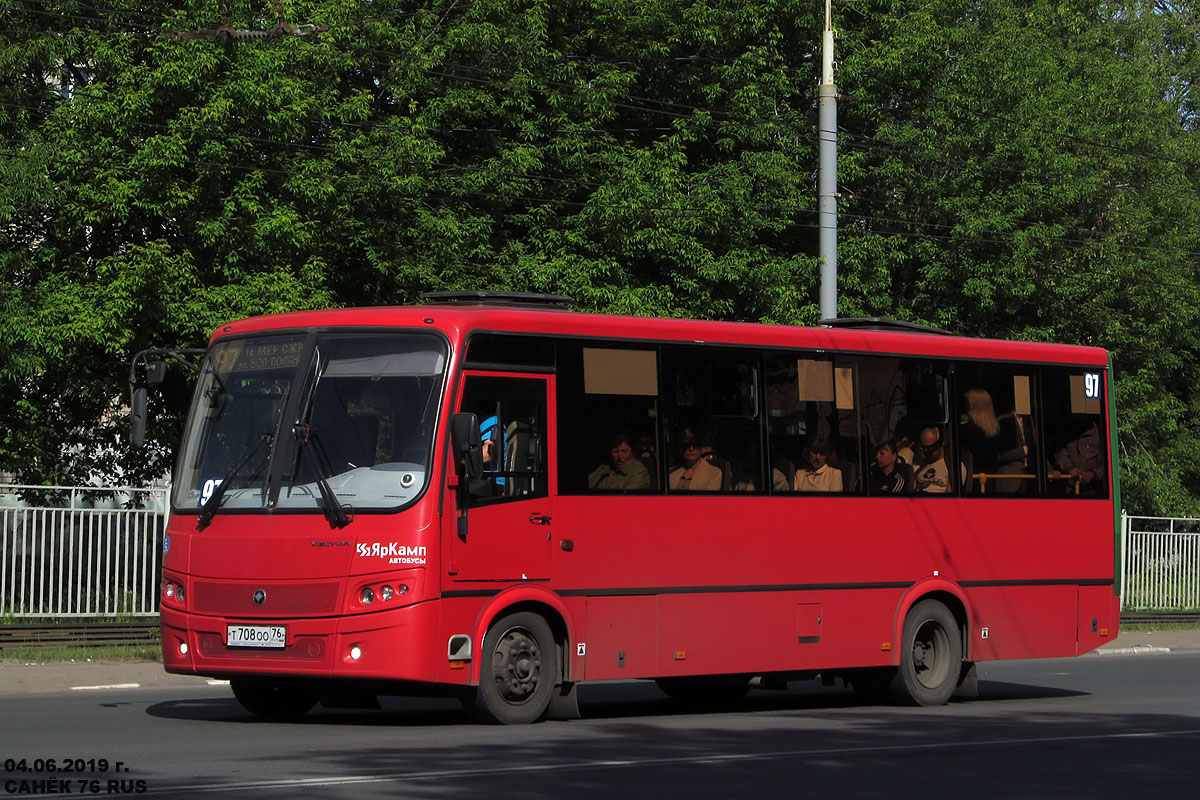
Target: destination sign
(260, 354)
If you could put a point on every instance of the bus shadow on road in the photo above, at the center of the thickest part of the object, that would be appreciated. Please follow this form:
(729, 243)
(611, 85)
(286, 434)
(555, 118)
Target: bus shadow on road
(625, 700)
(399, 712)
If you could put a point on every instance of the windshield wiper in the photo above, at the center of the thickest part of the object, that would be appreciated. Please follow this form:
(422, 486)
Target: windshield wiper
(335, 512)
(213, 503)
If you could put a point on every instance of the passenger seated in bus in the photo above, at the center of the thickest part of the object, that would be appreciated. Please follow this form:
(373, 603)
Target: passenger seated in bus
(889, 474)
(695, 474)
(623, 470)
(816, 474)
(932, 476)
(1080, 461)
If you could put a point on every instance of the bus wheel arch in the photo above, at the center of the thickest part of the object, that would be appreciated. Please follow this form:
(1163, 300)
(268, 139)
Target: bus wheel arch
(946, 593)
(555, 616)
(523, 666)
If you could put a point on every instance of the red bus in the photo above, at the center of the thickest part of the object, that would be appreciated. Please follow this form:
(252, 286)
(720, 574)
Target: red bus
(495, 497)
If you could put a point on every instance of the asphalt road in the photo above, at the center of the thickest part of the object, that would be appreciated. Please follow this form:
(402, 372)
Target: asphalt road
(1097, 726)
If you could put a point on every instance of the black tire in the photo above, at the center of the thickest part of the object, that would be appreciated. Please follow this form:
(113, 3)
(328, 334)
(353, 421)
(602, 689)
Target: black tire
(518, 672)
(930, 656)
(703, 691)
(278, 700)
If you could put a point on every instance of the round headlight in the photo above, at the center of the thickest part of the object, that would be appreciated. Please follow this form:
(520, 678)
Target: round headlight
(368, 595)
(386, 592)
(170, 590)
(179, 593)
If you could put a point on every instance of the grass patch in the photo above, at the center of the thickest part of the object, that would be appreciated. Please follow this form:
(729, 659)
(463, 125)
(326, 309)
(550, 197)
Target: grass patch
(1146, 627)
(140, 652)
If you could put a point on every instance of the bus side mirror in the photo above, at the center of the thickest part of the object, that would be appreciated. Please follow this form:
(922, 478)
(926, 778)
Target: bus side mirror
(468, 447)
(137, 427)
(156, 373)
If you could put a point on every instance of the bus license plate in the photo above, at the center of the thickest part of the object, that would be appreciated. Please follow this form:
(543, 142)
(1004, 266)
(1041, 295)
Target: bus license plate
(256, 635)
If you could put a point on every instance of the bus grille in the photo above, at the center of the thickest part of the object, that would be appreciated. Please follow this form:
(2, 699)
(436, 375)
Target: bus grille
(237, 599)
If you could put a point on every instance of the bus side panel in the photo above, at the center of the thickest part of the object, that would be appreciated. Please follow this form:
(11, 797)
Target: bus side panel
(1024, 622)
(616, 648)
(1099, 617)
(773, 631)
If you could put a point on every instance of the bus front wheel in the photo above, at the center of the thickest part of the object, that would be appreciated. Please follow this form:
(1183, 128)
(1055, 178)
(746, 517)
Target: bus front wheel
(518, 672)
(930, 656)
(277, 700)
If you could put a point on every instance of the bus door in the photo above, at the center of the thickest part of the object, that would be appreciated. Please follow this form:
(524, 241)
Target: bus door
(509, 512)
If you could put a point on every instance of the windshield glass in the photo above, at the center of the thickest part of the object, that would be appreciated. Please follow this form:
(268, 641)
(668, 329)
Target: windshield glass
(356, 410)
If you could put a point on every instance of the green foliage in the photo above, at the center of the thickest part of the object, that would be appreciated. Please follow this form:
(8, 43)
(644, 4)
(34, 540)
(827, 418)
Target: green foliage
(1017, 170)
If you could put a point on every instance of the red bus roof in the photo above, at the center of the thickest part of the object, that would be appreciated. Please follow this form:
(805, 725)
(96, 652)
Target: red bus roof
(458, 320)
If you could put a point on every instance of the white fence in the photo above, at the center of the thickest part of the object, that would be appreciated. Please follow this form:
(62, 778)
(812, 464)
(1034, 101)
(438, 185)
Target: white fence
(89, 552)
(80, 551)
(1161, 564)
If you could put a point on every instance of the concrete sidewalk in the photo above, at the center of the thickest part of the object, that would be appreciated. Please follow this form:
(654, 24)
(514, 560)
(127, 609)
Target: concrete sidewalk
(31, 677)
(1135, 642)
(53, 677)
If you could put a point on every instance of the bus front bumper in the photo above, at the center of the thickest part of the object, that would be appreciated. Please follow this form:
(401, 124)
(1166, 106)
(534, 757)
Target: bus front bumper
(398, 644)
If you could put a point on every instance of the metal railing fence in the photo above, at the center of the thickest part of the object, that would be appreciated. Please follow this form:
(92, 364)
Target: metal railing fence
(87, 552)
(1160, 569)
(70, 551)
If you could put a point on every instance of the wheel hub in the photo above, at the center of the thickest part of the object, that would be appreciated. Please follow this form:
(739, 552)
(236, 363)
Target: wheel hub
(930, 654)
(517, 665)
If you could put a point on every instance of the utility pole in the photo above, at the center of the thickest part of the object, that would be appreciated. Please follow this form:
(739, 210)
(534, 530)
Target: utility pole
(827, 172)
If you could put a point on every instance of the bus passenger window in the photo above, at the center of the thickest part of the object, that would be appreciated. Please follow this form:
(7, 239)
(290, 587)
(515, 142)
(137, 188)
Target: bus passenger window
(608, 407)
(712, 407)
(1076, 453)
(905, 415)
(813, 424)
(995, 430)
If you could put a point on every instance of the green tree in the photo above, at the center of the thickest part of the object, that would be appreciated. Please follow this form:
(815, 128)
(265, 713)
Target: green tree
(1017, 170)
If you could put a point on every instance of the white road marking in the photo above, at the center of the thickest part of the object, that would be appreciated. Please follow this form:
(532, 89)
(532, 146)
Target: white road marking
(107, 686)
(218, 683)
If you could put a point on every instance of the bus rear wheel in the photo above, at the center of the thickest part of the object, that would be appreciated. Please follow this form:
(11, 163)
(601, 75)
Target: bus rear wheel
(277, 700)
(519, 670)
(930, 656)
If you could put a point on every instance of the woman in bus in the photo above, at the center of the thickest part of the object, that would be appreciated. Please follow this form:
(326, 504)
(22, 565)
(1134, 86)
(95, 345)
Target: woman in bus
(990, 445)
(696, 474)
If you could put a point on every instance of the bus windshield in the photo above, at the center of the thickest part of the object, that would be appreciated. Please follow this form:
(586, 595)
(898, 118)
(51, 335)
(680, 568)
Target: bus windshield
(275, 417)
